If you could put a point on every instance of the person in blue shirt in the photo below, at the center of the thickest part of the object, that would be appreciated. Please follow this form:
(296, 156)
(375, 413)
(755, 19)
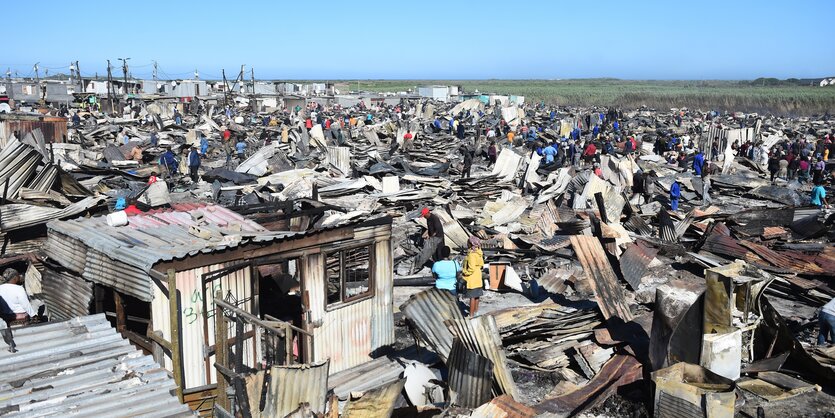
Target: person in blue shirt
(240, 147)
(446, 271)
(698, 163)
(819, 195)
(169, 161)
(193, 163)
(436, 126)
(178, 118)
(595, 131)
(204, 145)
(616, 126)
(154, 139)
(675, 195)
(550, 153)
(608, 147)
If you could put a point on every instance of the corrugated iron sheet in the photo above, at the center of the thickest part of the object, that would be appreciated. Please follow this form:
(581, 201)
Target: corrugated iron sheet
(53, 128)
(345, 335)
(604, 282)
(82, 367)
(481, 335)
(340, 158)
(65, 294)
(429, 310)
(382, 319)
(291, 386)
(18, 164)
(507, 165)
(503, 407)
(236, 289)
(20, 215)
(470, 376)
(257, 163)
(634, 262)
(121, 257)
(376, 403)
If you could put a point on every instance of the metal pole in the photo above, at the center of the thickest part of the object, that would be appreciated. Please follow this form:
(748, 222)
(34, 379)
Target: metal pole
(221, 353)
(174, 318)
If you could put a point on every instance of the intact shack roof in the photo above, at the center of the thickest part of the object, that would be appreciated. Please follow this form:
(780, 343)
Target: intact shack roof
(123, 257)
(82, 367)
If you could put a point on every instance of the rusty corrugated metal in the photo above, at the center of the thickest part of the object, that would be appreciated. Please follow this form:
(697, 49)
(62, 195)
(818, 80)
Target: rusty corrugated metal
(504, 407)
(428, 310)
(604, 282)
(65, 294)
(376, 403)
(291, 386)
(470, 376)
(481, 335)
(54, 128)
(634, 262)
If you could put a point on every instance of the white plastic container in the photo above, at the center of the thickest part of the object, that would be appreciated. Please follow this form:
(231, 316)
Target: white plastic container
(119, 218)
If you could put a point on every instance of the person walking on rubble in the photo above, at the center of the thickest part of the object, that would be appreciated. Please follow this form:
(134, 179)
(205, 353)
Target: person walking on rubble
(193, 163)
(698, 162)
(675, 195)
(819, 195)
(826, 320)
(446, 271)
(468, 162)
(649, 186)
(491, 154)
(240, 148)
(178, 118)
(471, 273)
(706, 200)
(168, 161)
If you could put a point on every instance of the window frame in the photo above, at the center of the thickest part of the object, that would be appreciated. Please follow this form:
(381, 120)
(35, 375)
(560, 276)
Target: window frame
(343, 300)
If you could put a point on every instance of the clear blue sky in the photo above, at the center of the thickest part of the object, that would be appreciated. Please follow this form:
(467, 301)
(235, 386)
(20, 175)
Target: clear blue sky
(426, 39)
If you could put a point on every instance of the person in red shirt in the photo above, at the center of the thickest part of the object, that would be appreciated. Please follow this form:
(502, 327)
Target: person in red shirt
(308, 123)
(327, 124)
(227, 134)
(589, 153)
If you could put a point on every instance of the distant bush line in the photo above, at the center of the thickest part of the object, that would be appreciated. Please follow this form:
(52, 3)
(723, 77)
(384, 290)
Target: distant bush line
(791, 97)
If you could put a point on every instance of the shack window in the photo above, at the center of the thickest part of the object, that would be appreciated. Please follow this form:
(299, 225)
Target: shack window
(349, 275)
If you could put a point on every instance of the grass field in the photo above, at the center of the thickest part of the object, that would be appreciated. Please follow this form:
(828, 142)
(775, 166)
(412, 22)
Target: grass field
(705, 95)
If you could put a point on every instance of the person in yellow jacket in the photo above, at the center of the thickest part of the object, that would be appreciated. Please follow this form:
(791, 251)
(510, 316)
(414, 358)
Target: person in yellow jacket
(471, 273)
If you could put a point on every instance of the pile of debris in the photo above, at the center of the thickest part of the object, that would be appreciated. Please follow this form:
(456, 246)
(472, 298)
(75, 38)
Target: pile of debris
(611, 263)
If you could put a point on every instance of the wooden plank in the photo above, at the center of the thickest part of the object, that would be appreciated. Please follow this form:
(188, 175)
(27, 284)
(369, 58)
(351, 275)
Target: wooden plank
(174, 317)
(604, 282)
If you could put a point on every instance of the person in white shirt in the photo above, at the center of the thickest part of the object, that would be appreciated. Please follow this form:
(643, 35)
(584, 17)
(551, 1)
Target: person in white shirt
(827, 323)
(15, 295)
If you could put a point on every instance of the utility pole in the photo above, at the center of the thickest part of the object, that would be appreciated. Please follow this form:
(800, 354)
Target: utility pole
(37, 76)
(225, 89)
(252, 72)
(196, 74)
(80, 79)
(125, 72)
(155, 71)
(109, 87)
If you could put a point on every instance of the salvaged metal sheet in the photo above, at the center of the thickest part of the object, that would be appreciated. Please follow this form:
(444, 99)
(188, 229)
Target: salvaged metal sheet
(376, 402)
(470, 376)
(291, 386)
(635, 261)
(428, 311)
(607, 290)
